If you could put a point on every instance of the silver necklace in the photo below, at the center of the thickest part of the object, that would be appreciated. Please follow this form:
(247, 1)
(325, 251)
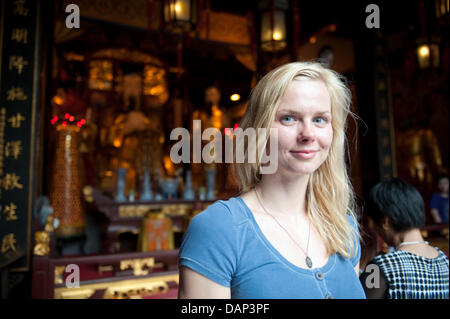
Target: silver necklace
(308, 260)
(411, 243)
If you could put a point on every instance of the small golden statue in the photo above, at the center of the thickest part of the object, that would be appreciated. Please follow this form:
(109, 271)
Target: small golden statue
(419, 151)
(42, 243)
(213, 115)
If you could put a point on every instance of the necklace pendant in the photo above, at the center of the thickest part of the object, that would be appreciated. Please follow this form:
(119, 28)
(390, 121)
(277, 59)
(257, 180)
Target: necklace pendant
(308, 262)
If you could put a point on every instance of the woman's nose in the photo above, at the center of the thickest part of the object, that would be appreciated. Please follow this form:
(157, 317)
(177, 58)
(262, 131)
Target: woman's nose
(306, 133)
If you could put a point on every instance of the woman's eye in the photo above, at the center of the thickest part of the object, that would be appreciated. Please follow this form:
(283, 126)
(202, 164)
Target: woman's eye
(287, 119)
(320, 120)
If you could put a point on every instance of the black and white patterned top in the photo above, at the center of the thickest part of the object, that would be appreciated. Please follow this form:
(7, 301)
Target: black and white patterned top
(410, 276)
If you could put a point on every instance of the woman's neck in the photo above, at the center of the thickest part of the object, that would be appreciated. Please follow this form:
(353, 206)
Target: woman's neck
(283, 195)
(413, 235)
(445, 195)
(416, 245)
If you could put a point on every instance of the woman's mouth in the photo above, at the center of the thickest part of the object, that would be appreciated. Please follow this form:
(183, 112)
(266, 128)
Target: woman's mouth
(304, 154)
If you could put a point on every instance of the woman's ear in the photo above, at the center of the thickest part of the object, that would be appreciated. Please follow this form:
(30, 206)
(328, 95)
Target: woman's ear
(386, 223)
(387, 230)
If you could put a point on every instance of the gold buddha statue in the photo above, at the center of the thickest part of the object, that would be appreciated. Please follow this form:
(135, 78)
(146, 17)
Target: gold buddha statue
(419, 152)
(136, 137)
(212, 115)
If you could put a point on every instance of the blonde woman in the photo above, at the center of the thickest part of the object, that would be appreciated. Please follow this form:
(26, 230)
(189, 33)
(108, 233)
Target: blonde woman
(293, 233)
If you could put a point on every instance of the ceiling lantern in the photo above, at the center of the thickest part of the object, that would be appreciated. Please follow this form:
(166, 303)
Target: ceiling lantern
(427, 45)
(273, 35)
(428, 53)
(180, 15)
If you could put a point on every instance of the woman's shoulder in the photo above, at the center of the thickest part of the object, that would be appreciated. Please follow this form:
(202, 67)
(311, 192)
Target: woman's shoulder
(389, 262)
(400, 257)
(442, 256)
(222, 213)
(353, 220)
(383, 257)
(437, 197)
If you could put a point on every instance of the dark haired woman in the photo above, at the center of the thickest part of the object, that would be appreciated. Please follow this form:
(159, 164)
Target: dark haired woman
(415, 270)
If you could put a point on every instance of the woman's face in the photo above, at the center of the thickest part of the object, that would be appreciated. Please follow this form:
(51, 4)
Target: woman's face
(443, 185)
(304, 127)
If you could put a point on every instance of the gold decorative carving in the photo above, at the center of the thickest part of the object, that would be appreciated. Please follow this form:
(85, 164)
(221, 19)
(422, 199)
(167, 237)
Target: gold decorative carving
(142, 210)
(176, 209)
(100, 75)
(134, 210)
(138, 265)
(88, 192)
(41, 243)
(49, 224)
(131, 289)
(103, 268)
(59, 270)
(155, 83)
(77, 294)
(135, 291)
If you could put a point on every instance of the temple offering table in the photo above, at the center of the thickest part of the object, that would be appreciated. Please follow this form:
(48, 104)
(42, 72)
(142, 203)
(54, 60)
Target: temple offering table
(127, 217)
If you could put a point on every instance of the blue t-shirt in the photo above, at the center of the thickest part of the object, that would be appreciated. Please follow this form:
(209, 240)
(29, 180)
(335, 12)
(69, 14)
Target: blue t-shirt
(225, 244)
(441, 204)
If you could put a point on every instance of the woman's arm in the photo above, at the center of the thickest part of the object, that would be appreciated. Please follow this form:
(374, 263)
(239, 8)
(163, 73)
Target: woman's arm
(436, 217)
(357, 269)
(193, 285)
(374, 283)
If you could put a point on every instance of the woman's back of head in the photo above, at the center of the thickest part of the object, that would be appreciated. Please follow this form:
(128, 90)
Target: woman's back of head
(398, 200)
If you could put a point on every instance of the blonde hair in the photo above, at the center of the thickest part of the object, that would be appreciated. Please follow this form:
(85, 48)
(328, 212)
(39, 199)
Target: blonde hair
(329, 194)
